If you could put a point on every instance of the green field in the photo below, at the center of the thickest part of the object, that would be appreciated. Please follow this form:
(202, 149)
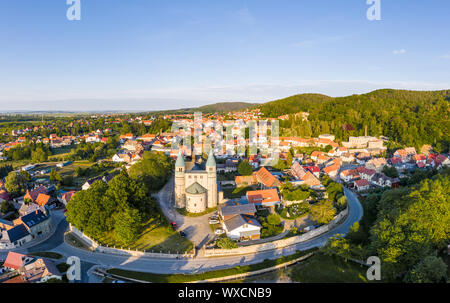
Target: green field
(328, 269)
(156, 237)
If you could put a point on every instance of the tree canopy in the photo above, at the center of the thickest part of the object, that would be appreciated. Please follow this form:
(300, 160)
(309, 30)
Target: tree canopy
(411, 118)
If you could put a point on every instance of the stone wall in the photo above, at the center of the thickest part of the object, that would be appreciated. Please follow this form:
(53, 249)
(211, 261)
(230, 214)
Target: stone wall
(251, 249)
(124, 252)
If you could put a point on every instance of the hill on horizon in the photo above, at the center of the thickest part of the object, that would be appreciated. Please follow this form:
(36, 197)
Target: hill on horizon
(407, 117)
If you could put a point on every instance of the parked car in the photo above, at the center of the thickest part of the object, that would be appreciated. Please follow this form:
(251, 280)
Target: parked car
(214, 221)
(219, 231)
(174, 225)
(183, 234)
(308, 228)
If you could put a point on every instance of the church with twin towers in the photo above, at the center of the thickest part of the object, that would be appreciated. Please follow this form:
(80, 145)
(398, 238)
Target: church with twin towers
(196, 187)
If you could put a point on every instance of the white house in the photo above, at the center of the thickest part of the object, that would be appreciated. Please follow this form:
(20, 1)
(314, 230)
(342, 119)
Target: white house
(242, 227)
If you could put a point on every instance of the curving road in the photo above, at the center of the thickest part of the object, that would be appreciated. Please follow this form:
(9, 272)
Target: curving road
(170, 266)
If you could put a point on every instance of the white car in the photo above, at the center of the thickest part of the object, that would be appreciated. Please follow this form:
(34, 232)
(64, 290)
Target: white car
(214, 221)
(219, 231)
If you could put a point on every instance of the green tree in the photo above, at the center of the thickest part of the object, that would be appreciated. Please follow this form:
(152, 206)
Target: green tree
(245, 168)
(431, 270)
(274, 219)
(411, 225)
(26, 175)
(390, 171)
(88, 210)
(323, 212)
(128, 226)
(39, 155)
(55, 175)
(341, 202)
(153, 170)
(15, 183)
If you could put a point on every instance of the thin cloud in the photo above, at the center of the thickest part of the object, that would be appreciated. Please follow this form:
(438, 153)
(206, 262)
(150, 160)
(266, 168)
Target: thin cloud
(245, 16)
(317, 41)
(399, 51)
(446, 56)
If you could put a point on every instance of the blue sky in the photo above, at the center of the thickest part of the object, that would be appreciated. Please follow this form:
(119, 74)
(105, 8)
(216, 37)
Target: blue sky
(165, 54)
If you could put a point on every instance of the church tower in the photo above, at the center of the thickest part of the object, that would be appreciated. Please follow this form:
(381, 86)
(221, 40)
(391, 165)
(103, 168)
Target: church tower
(212, 180)
(180, 195)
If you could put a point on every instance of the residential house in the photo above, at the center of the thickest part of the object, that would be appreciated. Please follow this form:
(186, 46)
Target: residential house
(266, 179)
(365, 173)
(15, 260)
(40, 271)
(315, 170)
(31, 195)
(332, 170)
(242, 227)
(441, 161)
(377, 164)
(65, 197)
(37, 223)
(347, 157)
(362, 184)
(297, 171)
(265, 197)
(348, 175)
(14, 237)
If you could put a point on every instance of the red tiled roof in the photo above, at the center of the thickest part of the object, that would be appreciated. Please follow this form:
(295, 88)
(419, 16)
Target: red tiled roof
(361, 182)
(42, 199)
(14, 260)
(266, 178)
(263, 196)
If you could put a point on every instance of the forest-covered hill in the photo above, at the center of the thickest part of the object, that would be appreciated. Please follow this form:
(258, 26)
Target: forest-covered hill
(410, 118)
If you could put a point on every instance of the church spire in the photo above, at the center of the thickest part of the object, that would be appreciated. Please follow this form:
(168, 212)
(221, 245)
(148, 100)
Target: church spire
(211, 161)
(180, 160)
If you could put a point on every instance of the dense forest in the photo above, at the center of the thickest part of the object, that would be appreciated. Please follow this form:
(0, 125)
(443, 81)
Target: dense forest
(411, 118)
(407, 228)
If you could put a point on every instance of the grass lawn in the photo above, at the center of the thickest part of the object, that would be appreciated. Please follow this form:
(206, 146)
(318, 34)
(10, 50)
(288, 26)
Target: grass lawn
(233, 193)
(328, 269)
(182, 211)
(60, 153)
(182, 278)
(156, 237)
(47, 254)
(74, 241)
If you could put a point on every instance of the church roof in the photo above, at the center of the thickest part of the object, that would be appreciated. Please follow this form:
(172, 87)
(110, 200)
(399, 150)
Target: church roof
(195, 188)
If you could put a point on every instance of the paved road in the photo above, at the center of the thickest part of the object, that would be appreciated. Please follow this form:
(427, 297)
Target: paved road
(198, 264)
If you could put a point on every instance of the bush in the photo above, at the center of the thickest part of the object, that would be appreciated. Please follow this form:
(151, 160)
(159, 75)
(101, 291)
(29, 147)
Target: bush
(226, 243)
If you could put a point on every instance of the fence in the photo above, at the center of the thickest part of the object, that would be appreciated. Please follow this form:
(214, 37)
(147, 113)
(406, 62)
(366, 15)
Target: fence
(279, 243)
(93, 245)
